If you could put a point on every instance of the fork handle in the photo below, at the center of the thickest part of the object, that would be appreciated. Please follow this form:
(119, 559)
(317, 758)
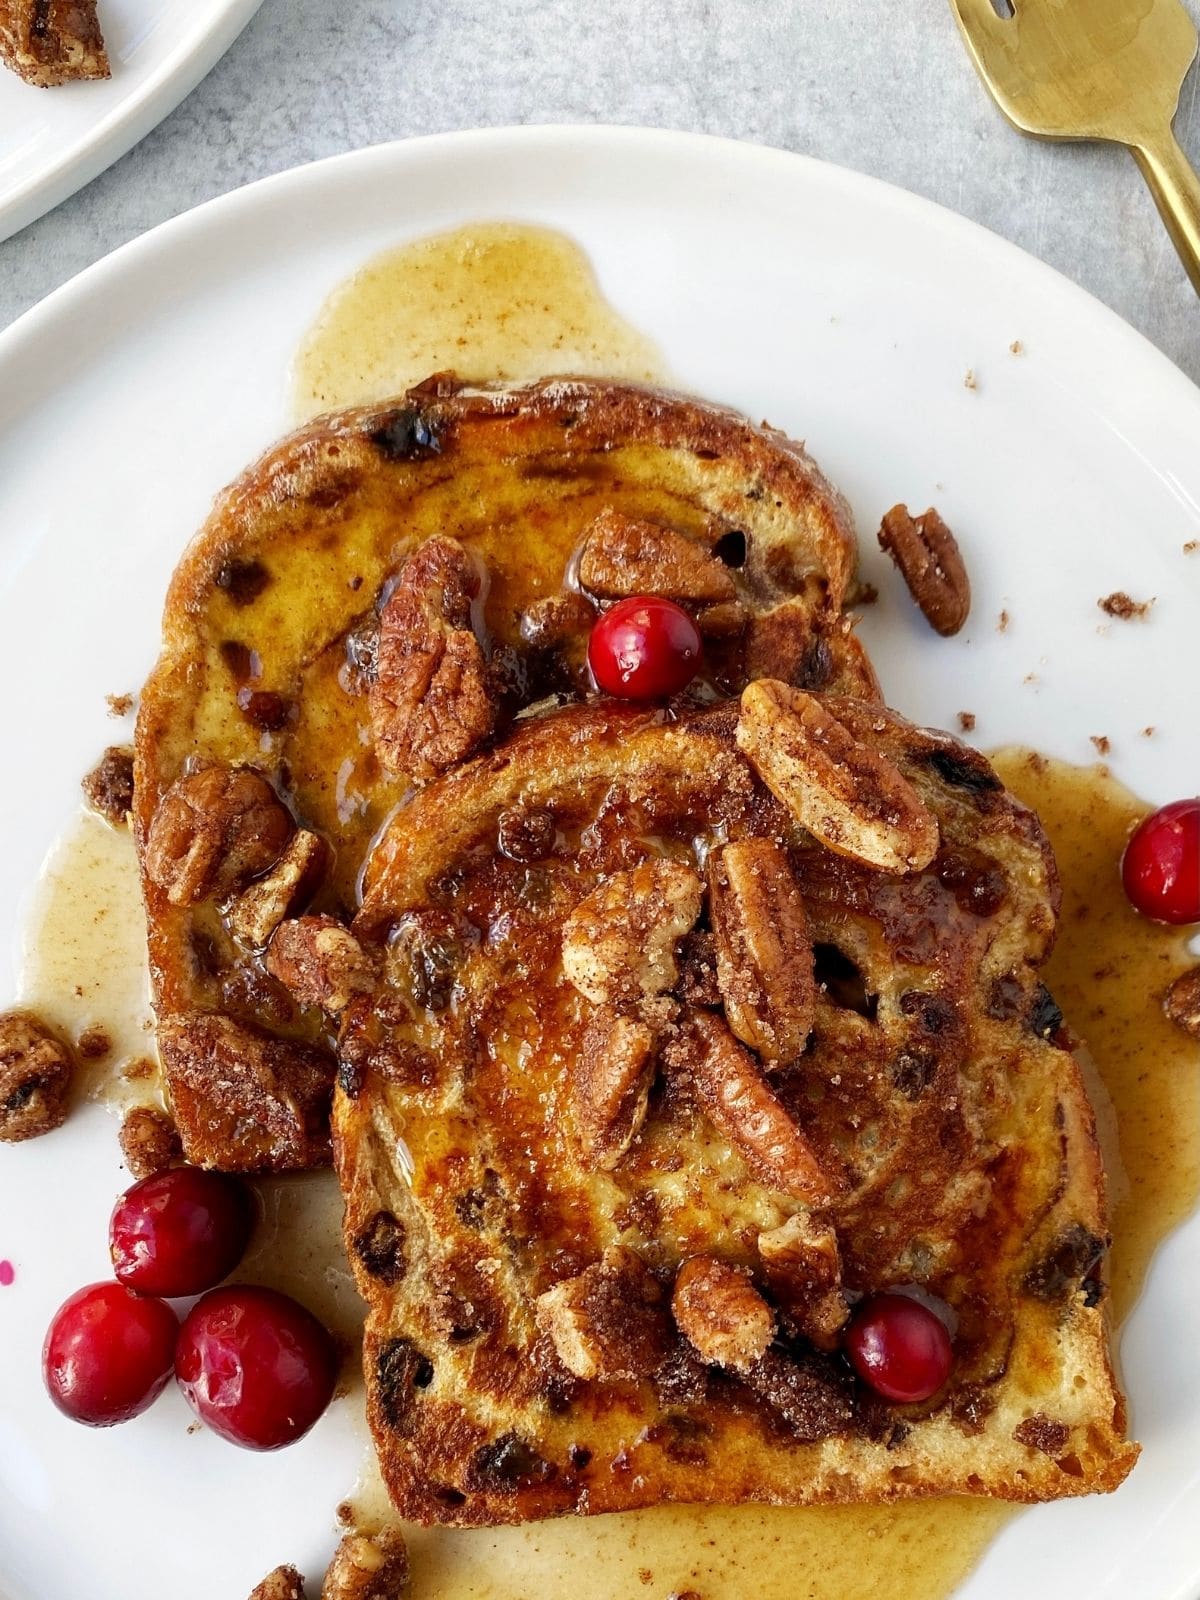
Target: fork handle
(1176, 190)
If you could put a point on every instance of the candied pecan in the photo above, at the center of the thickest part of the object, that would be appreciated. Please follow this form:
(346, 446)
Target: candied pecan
(619, 943)
(803, 1268)
(556, 619)
(256, 913)
(214, 829)
(720, 1313)
(626, 556)
(108, 787)
(35, 1077)
(931, 564)
(284, 1583)
(848, 795)
(764, 952)
(320, 963)
(368, 1567)
(260, 1104)
(610, 1088)
(804, 1393)
(610, 1321)
(729, 1083)
(1182, 1002)
(1040, 1432)
(149, 1141)
(430, 705)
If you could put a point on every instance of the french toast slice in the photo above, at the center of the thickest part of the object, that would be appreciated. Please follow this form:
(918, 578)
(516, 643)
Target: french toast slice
(50, 42)
(379, 597)
(645, 1082)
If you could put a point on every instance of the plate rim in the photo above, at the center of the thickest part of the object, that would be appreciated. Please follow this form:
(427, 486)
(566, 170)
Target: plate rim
(128, 122)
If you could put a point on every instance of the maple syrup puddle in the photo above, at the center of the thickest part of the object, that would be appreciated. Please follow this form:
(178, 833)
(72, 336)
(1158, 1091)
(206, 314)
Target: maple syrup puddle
(85, 966)
(491, 301)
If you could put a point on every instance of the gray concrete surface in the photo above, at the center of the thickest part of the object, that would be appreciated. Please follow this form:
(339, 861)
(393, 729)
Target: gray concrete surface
(884, 88)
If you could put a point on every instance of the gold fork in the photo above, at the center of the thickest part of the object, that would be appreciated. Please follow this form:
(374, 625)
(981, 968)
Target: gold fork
(1097, 69)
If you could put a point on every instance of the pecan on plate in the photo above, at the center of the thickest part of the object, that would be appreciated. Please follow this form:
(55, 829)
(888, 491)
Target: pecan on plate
(1182, 1002)
(35, 1077)
(368, 1567)
(320, 963)
(721, 1314)
(931, 564)
(256, 913)
(610, 1088)
(284, 1583)
(847, 795)
(619, 943)
(212, 831)
(764, 952)
(803, 1269)
(108, 787)
(610, 1321)
(149, 1141)
(730, 1085)
(430, 702)
(625, 556)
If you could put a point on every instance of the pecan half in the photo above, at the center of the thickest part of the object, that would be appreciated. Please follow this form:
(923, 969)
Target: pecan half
(430, 705)
(212, 831)
(1182, 1002)
(610, 1321)
(619, 943)
(764, 952)
(803, 1269)
(931, 564)
(721, 1314)
(368, 1567)
(320, 963)
(245, 1100)
(610, 1089)
(849, 796)
(255, 914)
(730, 1084)
(626, 556)
(149, 1141)
(284, 1583)
(35, 1077)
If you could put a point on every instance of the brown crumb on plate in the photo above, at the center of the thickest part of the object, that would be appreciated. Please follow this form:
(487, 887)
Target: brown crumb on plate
(1123, 606)
(970, 381)
(1002, 622)
(119, 705)
(1102, 742)
(1191, 547)
(1017, 348)
(966, 721)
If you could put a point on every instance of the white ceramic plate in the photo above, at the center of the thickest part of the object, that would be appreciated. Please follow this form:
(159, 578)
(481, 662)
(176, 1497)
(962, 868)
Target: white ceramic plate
(847, 313)
(53, 141)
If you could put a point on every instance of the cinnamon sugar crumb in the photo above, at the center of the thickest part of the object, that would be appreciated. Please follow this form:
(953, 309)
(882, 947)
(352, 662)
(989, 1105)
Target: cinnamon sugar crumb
(966, 721)
(1017, 347)
(1148, 732)
(1002, 622)
(970, 381)
(119, 705)
(1123, 606)
(1102, 742)
(1191, 547)
(93, 1043)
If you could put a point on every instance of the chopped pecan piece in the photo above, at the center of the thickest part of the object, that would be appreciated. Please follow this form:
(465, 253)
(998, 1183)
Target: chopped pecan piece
(764, 952)
(35, 1077)
(430, 704)
(212, 831)
(284, 1583)
(556, 619)
(803, 1268)
(244, 1100)
(256, 913)
(931, 564)
(149, 1141)
(1182, 1002)
(320, 963)
(625, 556)
(368, 1567)
(849, 796)
(610, 1321)
(721, 1314)
(611, 1086)
(108, 787)
(729, 1083)
(619, 943)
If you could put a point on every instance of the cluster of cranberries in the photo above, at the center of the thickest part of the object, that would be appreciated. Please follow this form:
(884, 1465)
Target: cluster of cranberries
(254, 1365)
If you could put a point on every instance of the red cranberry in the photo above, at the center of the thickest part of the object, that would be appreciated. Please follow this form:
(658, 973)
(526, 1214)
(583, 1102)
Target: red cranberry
(1161, 865)
(255, 1366)
(108, 1354)
(644, 649)
(899, 1347)
(179, 1232)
